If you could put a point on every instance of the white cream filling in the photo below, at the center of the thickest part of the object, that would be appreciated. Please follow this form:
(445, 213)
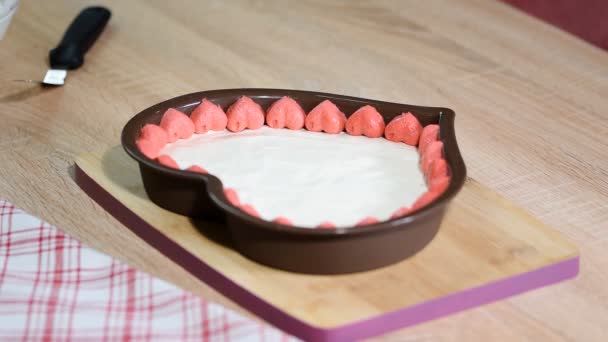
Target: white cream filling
(308, 177)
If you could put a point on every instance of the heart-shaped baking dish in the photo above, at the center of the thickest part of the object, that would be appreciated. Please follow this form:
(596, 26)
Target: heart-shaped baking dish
(320, 251)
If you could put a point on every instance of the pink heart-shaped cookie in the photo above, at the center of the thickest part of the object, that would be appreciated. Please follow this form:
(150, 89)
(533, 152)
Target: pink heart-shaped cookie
(326, 225)
(325, 117)
(368, 220)
(285, 112)
(196, 168)
(154, 132)
(438, 168)
(167, 161)
(152, 139)
(429, 134)
(249, 209)
(244, 113)
(150, 148)
(283, 220)
(208, 116)
(433, 151)
(401, 212)
(232, 197)
(177, 125)
(404, 128)
(365, 121)
(439, 184)
(425, 199)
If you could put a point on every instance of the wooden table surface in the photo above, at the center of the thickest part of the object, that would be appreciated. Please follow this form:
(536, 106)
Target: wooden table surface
(532, 117)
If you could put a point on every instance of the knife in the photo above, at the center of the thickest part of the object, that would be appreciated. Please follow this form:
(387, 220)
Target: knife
(79, 37)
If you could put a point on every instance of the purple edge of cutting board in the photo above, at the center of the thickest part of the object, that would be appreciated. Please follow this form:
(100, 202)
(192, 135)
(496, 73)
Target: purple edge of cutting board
(374, 326)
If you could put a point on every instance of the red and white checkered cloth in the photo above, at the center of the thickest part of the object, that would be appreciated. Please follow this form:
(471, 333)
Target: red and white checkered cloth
(53, 288)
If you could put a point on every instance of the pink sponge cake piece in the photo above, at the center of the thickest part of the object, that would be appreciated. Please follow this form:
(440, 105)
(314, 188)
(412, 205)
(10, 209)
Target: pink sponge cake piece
(152, 139)
(196, 168)
(325, 117)
(167, 161)
(404, 128)
(283, 220)
(433, 151)
(177, 125)
(285, 113)
(208, 116)
(365, 121)
(244, 113)
(368, 220)
(232, 197)
(429, 134)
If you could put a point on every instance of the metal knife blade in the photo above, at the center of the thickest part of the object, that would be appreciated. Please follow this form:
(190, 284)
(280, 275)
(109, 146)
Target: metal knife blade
(55, 77)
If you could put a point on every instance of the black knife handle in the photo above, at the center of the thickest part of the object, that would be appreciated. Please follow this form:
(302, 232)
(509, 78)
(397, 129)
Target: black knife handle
(79, 37)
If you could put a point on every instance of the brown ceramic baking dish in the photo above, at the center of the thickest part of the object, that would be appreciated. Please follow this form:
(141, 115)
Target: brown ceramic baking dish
(320, 251)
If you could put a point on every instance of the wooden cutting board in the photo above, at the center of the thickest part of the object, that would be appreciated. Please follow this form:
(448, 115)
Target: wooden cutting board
(487, 249)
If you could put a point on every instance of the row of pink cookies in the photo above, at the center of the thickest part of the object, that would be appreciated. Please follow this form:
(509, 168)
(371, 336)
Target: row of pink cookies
(287, 113)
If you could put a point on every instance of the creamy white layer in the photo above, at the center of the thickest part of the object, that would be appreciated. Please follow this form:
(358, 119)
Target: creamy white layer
(308, 177)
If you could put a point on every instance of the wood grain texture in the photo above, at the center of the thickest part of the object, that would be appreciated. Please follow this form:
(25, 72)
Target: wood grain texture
(532, 116)
(483, 239)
